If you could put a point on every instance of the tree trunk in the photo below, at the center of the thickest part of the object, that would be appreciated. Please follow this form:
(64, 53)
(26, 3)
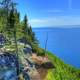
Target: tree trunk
(16, 50)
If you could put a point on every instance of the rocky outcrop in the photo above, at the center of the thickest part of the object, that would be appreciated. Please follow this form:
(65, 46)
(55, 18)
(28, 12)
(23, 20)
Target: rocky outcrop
(8, 66)
(8, 60)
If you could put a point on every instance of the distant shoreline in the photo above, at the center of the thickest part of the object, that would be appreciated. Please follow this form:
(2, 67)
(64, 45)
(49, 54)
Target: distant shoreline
(59, 27)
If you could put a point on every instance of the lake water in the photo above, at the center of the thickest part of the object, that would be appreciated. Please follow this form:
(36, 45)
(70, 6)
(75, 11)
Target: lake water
(63, 42)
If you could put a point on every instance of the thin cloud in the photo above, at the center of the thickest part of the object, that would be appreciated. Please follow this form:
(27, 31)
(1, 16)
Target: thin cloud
(55, 21)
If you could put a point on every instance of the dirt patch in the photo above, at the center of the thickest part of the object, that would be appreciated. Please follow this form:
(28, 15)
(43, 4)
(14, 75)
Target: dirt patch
(42, 72)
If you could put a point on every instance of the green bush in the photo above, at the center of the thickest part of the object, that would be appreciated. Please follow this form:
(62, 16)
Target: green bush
(40, 52)
(37, 50)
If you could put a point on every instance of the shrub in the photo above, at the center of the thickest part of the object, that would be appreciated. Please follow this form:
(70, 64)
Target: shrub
(40, 52)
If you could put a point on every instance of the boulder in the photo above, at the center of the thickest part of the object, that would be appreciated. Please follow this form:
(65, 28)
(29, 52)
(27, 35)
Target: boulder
(8, 60)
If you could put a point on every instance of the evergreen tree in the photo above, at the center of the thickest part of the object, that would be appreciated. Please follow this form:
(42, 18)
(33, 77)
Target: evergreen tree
(32, 35)
(6, 6)
(25, 30)
(12, 29)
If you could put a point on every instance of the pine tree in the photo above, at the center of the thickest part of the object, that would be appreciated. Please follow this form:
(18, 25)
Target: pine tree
(12, 28)
(25, 30)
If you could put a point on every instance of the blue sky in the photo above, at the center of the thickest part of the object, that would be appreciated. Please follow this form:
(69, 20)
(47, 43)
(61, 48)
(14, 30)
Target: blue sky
(43, 13)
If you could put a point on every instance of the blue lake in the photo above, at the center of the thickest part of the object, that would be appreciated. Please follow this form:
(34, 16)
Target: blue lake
(63, 42)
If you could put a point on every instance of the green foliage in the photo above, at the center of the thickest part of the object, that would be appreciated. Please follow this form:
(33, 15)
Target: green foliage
(40, 52)
(2, 20)
(10, 18)
(14, 29)
(62, 71)
(34, 48)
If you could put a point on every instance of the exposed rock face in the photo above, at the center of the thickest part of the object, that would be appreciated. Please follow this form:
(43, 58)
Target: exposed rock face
(27, 50)
(8, 65)
(9, 75)
(8, 60)
(42, 62)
